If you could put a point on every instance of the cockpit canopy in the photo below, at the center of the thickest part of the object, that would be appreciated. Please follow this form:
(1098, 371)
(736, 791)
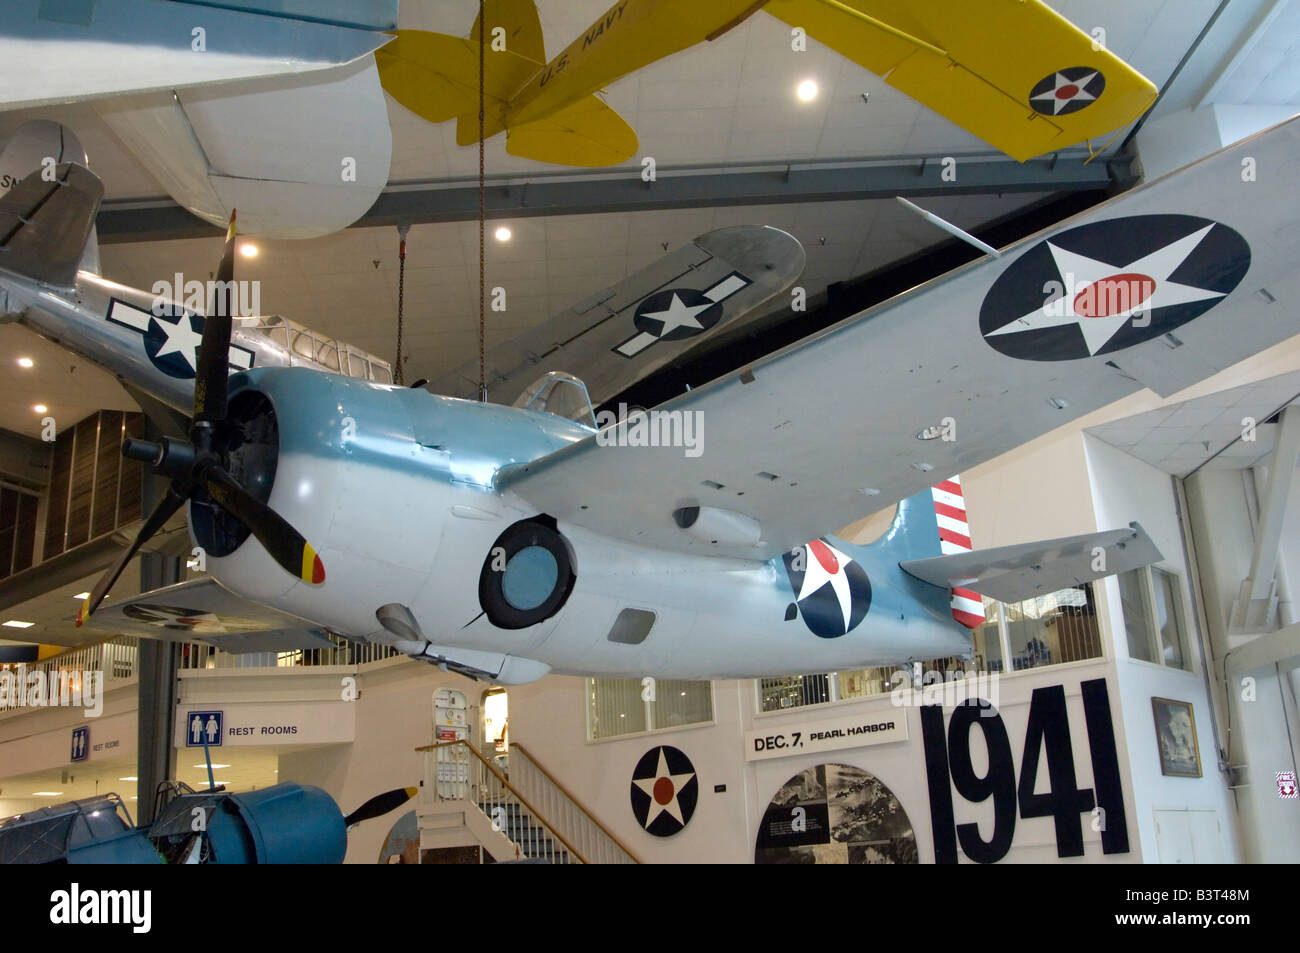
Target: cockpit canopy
(561, 394)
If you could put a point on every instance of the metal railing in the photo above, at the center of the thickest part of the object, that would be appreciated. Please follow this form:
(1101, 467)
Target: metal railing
(456, 772)
(565, 811)
(114, 657)
(200, 655)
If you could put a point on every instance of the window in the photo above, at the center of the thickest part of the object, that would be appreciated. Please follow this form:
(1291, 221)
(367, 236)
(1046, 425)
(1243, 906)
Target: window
(1152, 603)
(1059, 627)
(625, 706)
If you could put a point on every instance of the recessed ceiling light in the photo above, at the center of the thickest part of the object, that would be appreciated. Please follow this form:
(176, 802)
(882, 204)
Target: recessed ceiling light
(40, 408)
(503, 234)
(248, 250)
(215, 767)
(26, 362)
(15, 624)
(807, 90)
(129, 779)
(81, 596)
(47, 794)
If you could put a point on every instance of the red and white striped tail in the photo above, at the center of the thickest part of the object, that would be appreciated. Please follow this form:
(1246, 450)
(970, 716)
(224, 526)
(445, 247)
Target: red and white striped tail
(954, 537)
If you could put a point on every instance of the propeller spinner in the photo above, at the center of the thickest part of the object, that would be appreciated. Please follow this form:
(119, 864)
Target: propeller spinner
(199, 466)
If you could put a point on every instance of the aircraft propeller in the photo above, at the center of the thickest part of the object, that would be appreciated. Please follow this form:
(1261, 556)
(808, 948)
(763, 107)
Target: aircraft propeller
(199, 464)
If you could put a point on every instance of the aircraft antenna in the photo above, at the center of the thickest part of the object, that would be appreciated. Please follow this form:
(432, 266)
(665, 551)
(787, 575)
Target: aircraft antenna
(482, 217)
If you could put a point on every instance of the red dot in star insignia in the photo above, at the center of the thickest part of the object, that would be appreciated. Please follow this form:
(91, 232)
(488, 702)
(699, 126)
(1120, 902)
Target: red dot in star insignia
(1068, 91)
(825, 556)
(663, 790)
(1114, 295)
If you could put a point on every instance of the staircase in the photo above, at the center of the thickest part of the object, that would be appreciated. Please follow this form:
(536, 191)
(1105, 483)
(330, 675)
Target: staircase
(513, 808)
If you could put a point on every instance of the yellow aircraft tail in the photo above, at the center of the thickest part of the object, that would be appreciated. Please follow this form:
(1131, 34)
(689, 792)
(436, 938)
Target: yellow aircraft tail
(1018, 75)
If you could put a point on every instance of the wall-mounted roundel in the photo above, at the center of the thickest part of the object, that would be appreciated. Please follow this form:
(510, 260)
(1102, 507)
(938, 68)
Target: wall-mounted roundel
(1107, 286)
(1067, 91)
(835, 814)
(664, 790)
(527, 575)
(832, 592)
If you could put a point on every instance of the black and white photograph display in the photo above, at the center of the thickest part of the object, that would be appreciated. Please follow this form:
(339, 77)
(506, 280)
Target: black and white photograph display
(835, 814)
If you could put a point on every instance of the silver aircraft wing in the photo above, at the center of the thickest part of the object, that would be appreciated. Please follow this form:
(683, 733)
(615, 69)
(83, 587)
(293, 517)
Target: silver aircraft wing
(624, 332)
(1160, 287)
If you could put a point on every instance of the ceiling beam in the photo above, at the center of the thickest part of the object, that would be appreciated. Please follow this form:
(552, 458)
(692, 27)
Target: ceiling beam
(582, 194)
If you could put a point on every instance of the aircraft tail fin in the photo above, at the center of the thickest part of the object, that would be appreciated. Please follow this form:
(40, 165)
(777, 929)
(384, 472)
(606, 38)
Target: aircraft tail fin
(48, 201)
(932, 525)
(519, 20)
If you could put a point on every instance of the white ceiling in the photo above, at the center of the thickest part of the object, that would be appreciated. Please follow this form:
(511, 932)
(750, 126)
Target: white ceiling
(1206, 431)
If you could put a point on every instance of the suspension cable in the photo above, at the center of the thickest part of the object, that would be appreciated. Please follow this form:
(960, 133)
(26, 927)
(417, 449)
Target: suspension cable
(482, 215)
(398, 372)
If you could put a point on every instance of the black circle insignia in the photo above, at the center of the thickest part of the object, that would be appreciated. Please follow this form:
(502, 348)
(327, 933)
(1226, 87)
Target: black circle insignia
(676, 314)
(527, 575)
(1039, 310)
(1067, 91)
(664, 790)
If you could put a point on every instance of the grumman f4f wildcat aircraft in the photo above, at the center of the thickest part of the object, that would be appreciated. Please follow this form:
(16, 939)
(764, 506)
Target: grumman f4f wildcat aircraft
(508, 541)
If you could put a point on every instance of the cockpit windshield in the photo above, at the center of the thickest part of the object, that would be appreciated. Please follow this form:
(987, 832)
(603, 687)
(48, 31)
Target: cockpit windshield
(561, 394)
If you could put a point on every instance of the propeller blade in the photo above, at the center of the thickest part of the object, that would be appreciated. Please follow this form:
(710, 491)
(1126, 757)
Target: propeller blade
(379, 805)
(285, 544)
(167, 506)
(210, 377)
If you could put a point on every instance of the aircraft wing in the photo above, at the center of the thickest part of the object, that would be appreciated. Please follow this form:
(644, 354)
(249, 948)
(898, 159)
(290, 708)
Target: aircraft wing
(1015, 573)
(54, 53)
(200, 610)
(1017, 74)
(978, 361)
(621, 334)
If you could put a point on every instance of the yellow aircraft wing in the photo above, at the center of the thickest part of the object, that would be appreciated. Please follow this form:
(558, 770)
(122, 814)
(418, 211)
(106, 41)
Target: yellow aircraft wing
(1013, 72)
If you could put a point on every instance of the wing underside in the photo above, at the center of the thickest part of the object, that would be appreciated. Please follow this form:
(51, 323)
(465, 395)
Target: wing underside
(955, 372)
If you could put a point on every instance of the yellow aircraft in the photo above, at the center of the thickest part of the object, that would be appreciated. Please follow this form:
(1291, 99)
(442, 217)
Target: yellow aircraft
(1013, 72)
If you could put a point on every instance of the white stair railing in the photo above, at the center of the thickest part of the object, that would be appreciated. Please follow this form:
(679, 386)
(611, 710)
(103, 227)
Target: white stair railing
(597, 844)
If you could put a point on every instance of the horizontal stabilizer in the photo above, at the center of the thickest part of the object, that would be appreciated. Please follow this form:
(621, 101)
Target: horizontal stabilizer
(612, 339)
(202, 611)
(44, 223)
(1016, 573)
(587, 134)
(436, 77)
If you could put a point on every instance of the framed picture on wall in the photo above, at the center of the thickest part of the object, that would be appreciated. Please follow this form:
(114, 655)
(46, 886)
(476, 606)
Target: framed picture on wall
(1180, 755)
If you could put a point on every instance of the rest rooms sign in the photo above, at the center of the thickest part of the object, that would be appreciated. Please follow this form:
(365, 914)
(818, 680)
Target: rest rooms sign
(271, 723)
(810, 737)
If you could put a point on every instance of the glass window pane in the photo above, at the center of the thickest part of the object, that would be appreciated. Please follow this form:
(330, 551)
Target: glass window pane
(1058, 627)
(864, 682)
(1137, 617)
(1169, 616)
(793, 691)
(615, 707)
(679, 703)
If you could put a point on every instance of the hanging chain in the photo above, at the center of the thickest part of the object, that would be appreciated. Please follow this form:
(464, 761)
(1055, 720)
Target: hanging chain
(399, 375)
(482, 217)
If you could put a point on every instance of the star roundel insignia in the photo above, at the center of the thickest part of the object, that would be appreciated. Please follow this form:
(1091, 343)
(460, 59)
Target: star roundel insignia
(680, 313)
(1067, 91)
(832, 592)
(172, 342)
(664, 790)
(1108, 286)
